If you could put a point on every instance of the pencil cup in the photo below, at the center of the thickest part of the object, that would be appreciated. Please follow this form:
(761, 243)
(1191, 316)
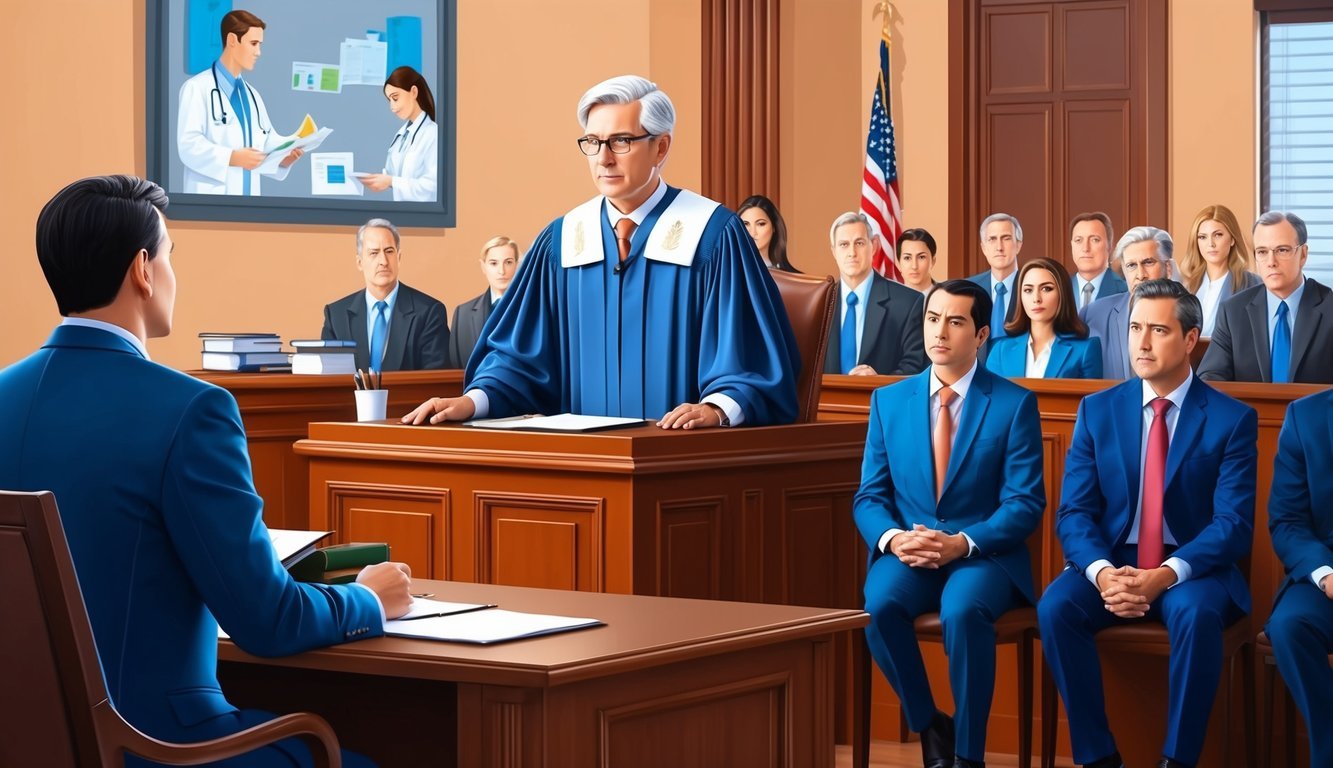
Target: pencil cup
(372, 404)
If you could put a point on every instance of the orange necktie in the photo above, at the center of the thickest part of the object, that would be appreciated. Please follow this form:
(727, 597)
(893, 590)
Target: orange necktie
(624, 231)
(942, 440)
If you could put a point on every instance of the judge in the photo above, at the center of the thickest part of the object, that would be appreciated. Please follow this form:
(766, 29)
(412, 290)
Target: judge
(646, 301)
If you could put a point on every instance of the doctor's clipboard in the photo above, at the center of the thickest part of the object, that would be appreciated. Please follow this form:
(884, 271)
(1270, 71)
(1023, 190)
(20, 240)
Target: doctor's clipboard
(563, 422)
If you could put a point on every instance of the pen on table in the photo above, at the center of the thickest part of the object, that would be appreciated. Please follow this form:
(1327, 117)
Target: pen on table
(473, 609)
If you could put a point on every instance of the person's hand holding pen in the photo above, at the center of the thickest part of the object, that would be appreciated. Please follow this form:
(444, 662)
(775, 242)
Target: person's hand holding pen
(392, 583)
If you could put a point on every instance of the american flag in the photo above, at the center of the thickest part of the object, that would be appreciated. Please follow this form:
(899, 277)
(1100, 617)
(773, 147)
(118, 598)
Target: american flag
(879, 181)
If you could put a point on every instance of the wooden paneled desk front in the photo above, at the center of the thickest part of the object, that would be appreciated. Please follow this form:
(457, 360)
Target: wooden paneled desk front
(667, 682)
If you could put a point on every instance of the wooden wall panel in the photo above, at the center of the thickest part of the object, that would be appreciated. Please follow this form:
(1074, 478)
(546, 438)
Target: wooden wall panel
(689, 535)
(1096, 31)
(1018, 50)
(740, 99)
(1096, 153)
(413, 520)
(566, 530)
(1020, 174)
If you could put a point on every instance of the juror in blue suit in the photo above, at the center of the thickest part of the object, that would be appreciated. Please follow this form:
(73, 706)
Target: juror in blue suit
(1046, 339)
(1144, 253)
(1156, 510)
(1301, 626)
(951, 487)
(150, 469)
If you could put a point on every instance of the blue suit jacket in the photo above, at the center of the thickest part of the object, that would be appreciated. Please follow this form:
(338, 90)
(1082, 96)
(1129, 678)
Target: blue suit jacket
(150, 470)
(1108, 322)
(1210, 481)
(1112, 285)
(1302, 530)
(993, 490)
(1071, 357)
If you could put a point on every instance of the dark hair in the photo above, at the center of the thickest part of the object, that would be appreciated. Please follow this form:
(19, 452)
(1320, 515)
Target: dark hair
(916, 234)
(777, 246)
(1066, 317)
(406, 78)
(981, 303)
(238, 23)
(89, 234)
(1189, 312)
(1095, 216)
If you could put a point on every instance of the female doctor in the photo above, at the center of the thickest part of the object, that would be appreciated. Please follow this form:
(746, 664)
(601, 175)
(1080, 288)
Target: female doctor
(412, 163)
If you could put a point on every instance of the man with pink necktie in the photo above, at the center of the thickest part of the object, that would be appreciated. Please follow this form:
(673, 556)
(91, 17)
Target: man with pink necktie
(1157, 508)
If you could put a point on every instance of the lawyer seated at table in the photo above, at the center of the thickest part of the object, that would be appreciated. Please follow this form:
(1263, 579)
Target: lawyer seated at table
(646, 301)
(395, 327)
(1046, 340)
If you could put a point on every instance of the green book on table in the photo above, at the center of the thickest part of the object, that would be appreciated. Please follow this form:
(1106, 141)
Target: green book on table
(339, 563)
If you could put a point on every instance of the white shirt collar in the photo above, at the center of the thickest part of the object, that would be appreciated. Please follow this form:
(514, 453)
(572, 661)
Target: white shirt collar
(959, 387)
(638, 214)
(1176, 396)
(495, 296)
(86, 322)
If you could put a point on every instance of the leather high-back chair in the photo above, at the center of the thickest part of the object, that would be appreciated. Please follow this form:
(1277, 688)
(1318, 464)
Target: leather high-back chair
(810, 303)
(57, 712)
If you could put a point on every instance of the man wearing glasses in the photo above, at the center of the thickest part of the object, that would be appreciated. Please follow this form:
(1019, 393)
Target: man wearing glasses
(1281, 331)
(646, 301)
(1144, 254)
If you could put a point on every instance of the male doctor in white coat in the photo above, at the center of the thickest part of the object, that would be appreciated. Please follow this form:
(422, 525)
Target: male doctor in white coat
(223, 132)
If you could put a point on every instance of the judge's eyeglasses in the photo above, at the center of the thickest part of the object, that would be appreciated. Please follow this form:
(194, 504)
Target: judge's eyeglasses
(620, 145)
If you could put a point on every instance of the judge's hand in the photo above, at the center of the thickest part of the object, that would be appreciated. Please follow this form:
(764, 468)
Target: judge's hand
(246, 158)
(692, 416)
(292, 157)
(376, 182)
(392, 583)
(862, 370)
(441, 409)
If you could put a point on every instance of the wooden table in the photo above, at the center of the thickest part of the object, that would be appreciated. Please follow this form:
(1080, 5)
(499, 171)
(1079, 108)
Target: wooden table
(276, 408)
(667, 682)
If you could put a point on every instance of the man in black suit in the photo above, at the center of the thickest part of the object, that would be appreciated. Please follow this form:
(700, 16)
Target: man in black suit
(395, 327)
(499, 262)
(877, 328)
(1281, 331)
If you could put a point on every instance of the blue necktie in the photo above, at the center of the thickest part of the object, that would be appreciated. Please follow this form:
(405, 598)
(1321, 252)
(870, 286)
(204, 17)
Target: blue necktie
(997, 313)
(847, 342)
(238, 106)
(377, 336)
(1281, 346)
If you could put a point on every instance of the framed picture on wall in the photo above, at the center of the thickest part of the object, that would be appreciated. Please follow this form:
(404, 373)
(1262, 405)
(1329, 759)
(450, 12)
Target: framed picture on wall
(303, 111)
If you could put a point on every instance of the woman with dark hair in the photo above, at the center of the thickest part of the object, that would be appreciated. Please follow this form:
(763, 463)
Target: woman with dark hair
(412, 164)
(915, 253)
(769, 231)
(1046, 339)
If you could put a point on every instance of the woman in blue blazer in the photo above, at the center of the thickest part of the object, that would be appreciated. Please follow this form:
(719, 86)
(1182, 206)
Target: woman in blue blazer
(1046, 339)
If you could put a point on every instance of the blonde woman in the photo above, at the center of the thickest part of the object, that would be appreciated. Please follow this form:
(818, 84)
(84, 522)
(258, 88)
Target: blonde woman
(1216, 261)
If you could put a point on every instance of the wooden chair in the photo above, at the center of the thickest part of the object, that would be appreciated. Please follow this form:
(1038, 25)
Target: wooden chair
(1150, 638)
(810, 303)
(63, 716)
(1018, 627)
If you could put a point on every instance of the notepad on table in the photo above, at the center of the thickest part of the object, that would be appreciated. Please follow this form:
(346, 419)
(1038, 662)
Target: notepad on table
(563, 422)
(494, 625)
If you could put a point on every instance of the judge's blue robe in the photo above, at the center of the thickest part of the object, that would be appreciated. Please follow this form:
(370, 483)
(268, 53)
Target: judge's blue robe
(642, 339)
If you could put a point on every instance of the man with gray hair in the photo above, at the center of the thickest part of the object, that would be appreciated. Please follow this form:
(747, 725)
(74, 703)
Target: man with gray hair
(1001, 240)
(395, 327)
(1144, 254)
(646, 301)
(877, 329)
(1281, 331)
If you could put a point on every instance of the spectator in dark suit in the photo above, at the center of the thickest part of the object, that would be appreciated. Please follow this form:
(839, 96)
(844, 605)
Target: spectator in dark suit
(877, 329)
(1090, 237)
(1281, 331)
(499, 262)
(395, 327)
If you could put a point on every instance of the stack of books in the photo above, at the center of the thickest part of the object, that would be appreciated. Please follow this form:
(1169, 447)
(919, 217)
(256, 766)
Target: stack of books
(324, 356)
(244, 352)
(338, 564)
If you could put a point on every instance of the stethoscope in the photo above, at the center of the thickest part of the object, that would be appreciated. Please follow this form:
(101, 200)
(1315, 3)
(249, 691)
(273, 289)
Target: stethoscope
(399, 135)
(216, 103)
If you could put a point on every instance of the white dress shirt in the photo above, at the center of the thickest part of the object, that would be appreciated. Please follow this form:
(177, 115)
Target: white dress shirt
(1210, 296)
(1037, 362)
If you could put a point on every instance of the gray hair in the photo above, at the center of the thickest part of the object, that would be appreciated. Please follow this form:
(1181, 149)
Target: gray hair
(1277, 217)
(994, 217)
(851, 217)
(658, 116)
(1188, 309)
(377, 224)
(1165, 245)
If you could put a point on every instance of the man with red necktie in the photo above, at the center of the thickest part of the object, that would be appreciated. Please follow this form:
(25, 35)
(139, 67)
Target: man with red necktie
(1157, 508)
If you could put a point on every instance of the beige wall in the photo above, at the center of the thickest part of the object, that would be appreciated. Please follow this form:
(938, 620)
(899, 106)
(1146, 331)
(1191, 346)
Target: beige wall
(516, 164)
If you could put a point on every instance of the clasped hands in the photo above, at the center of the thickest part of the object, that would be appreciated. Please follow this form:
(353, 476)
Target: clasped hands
(1129, 592)
(924, 547)
(440, 409)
